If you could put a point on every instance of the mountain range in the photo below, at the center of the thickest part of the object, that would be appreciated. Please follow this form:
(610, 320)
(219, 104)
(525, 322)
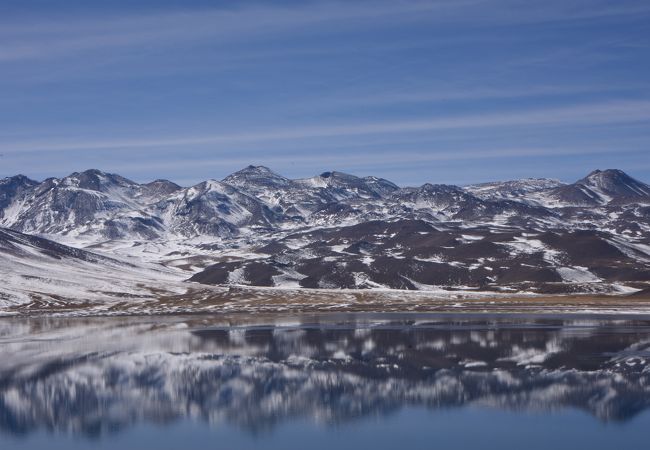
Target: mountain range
(335, 230)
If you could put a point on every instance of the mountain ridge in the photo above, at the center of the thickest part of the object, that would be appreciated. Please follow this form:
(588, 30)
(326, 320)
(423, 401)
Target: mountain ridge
(336, 230)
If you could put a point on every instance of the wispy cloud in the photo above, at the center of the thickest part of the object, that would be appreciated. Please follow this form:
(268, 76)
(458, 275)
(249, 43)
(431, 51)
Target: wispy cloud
(49, 39)
(59, 36)
(259, 81)
(437, 94)
(591, 114)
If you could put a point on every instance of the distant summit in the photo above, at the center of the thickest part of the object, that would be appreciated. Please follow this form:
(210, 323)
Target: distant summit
(601, 187)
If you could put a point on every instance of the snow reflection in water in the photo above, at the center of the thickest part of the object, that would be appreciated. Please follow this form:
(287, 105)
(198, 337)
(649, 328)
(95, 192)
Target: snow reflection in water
(92, 376)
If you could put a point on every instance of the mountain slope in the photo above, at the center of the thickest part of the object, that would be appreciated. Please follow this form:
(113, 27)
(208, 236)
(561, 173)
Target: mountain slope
(39, 271)
(415, 255)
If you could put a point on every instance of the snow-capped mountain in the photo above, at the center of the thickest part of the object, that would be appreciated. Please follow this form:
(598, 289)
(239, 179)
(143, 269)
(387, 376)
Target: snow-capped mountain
(11, 189)
(213, 208)
(299, 199)
(259, 181)
(335, 230)
(344, 186)
(600, 187)
(88, 203)
(608, 187)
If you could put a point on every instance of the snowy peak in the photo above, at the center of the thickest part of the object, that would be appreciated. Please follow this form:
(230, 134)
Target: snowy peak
(96, 180)
(254, 173)
(213, 208)
(17, 180)
(159, 188)
(615, 185)
(602, 187)
(433, 195)
(92, 203)
(299, 199)
(262, 171)
(13, 187)
(513, 189)
(343, 185)
(257, 179)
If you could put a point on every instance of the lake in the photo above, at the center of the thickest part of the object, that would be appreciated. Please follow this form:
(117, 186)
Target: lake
(325, 381)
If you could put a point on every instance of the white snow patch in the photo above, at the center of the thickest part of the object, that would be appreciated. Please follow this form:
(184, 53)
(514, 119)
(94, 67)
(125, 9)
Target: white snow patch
(577, 274)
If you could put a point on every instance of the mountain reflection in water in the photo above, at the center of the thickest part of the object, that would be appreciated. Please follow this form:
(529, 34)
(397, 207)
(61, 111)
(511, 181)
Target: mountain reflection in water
(91, 376)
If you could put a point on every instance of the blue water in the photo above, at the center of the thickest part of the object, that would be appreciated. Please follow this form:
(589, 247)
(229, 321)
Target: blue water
(318, 383)
(412, 428)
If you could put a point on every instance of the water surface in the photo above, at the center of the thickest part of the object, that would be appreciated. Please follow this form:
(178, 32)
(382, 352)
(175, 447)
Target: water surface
(325, 381)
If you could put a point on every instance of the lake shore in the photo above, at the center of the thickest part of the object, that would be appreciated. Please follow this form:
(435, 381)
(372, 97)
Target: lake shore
(251, 300)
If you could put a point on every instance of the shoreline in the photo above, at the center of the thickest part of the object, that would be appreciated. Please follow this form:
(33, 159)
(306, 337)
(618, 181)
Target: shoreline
(201, 300)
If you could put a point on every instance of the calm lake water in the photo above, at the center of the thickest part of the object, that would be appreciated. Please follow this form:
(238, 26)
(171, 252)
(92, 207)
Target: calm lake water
(322, 382)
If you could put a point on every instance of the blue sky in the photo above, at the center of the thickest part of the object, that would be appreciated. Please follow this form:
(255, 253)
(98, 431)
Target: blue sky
(443, 91)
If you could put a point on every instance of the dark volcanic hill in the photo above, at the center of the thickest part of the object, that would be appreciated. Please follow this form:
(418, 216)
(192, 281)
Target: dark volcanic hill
(613, 187)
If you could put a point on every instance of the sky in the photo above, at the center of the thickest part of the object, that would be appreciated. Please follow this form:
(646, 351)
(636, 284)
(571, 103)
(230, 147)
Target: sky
(440, 91)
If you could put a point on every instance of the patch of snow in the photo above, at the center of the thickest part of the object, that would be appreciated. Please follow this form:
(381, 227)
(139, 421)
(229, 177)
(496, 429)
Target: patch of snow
(577, 274)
